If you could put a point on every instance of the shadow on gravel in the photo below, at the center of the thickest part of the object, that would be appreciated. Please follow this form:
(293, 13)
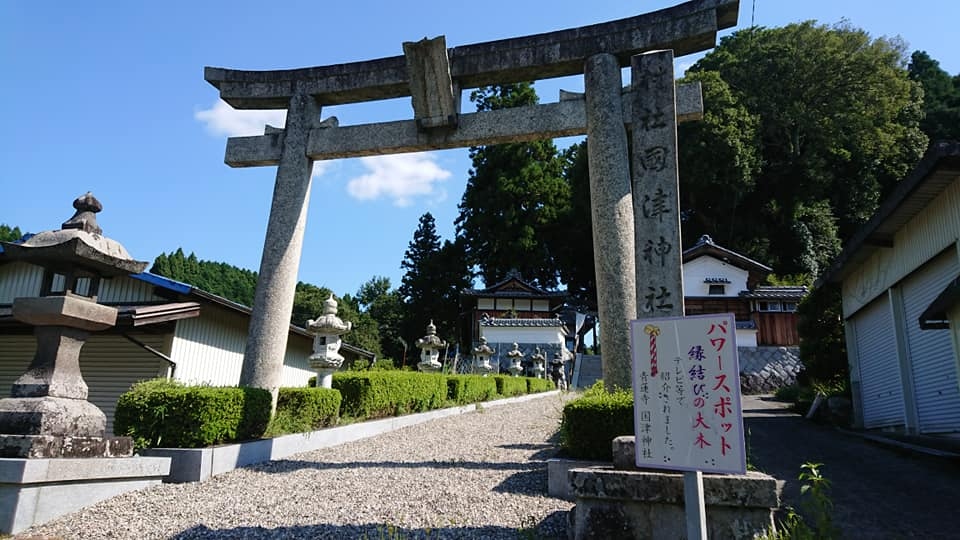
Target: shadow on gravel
(551, 527)
(288, 465)
(544, 451)
(532, 482)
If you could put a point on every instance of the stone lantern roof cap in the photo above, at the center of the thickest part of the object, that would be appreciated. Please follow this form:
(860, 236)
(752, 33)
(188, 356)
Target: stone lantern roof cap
(431, 341)
(79, 244)
(329, 323)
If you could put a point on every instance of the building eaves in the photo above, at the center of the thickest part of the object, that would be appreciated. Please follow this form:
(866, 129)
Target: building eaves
(705, 246)
(938, 169)
(207, 297)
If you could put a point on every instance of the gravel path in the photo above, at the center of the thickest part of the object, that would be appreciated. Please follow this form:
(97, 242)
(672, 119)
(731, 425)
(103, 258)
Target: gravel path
(477, 475)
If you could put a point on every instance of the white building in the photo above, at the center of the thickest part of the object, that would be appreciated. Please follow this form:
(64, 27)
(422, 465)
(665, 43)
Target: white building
(899, 277)
(165, 329)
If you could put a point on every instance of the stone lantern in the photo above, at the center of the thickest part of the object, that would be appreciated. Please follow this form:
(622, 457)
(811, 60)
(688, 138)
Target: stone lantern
(516, 360)
(481, 355)
(557, 373)
(326, 331)
(47, 414)
(539, 363)
(430, 346)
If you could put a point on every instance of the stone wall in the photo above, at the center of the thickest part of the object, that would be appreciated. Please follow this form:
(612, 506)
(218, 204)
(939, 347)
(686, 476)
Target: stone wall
(765, 369)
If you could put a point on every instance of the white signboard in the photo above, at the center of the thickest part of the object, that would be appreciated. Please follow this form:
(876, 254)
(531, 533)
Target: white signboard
(686, 387)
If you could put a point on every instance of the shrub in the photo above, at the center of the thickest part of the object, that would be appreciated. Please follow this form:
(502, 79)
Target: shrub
(591, 422)
(510, 386)
(383, 364)
(300, 410)
(535, 385)
(167, 413)
(462, 389)
(376, 394)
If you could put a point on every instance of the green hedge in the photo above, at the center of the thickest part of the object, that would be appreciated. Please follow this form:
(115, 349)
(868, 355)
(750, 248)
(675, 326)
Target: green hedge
(510, 386)
(463, 389)
(376, 394)
(590, 423)
(305, 409)
(535, 385)
(169, 414)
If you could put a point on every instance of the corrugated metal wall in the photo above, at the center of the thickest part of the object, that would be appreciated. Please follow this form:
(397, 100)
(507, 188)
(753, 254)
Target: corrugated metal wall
(209, 349)
(929, 233)
(21, 279)
(296, 366)
(930, 352)
(109, 363)
(881, 388)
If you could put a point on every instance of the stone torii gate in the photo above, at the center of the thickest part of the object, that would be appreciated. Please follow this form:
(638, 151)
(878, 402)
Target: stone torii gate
(635, 219)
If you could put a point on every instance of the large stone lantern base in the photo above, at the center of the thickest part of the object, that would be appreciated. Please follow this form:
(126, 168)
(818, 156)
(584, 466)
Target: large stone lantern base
(48, 415)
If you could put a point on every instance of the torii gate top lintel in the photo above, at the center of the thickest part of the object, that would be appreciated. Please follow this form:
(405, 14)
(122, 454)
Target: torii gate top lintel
(686, 28)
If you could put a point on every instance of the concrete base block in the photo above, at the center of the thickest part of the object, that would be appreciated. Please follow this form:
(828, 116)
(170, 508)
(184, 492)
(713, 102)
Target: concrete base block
(34, 491)
(648, 505)
(558, 475)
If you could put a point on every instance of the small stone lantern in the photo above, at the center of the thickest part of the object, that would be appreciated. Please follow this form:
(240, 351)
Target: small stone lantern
(48, 415)
(326, 331)
(557, 372)
(516, 360)
(430, 346)
(481, 355)
(539, 363)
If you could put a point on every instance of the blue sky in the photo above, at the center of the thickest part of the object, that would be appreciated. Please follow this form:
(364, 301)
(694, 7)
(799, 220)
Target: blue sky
(110, 97)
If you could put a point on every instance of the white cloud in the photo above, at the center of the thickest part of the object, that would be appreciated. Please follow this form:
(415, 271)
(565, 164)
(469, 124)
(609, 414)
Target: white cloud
(222, 119)
(401, 177)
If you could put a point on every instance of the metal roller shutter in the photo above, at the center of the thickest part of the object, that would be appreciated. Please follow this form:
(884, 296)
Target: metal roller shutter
(930, 352)
(109, 363)
(881, 389)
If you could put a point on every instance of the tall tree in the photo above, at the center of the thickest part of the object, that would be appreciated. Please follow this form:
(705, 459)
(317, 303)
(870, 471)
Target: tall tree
(823, 122)
(382, 303)
(8, 234)
(574, 253)
(233, 283)
(941, 97)
(514, 198)
(434, 274)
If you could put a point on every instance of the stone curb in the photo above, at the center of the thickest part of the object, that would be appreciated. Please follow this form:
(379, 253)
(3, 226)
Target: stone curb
(915, 449)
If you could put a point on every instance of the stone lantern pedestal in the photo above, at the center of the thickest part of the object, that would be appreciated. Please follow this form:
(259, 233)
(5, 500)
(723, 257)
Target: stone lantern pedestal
(516, 361)
(48, 430)
(481, 357)
(430, 346)
(326, 331)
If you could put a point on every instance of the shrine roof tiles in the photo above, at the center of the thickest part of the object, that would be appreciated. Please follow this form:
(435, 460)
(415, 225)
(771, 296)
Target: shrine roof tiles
(523, 323)
(776, 292)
